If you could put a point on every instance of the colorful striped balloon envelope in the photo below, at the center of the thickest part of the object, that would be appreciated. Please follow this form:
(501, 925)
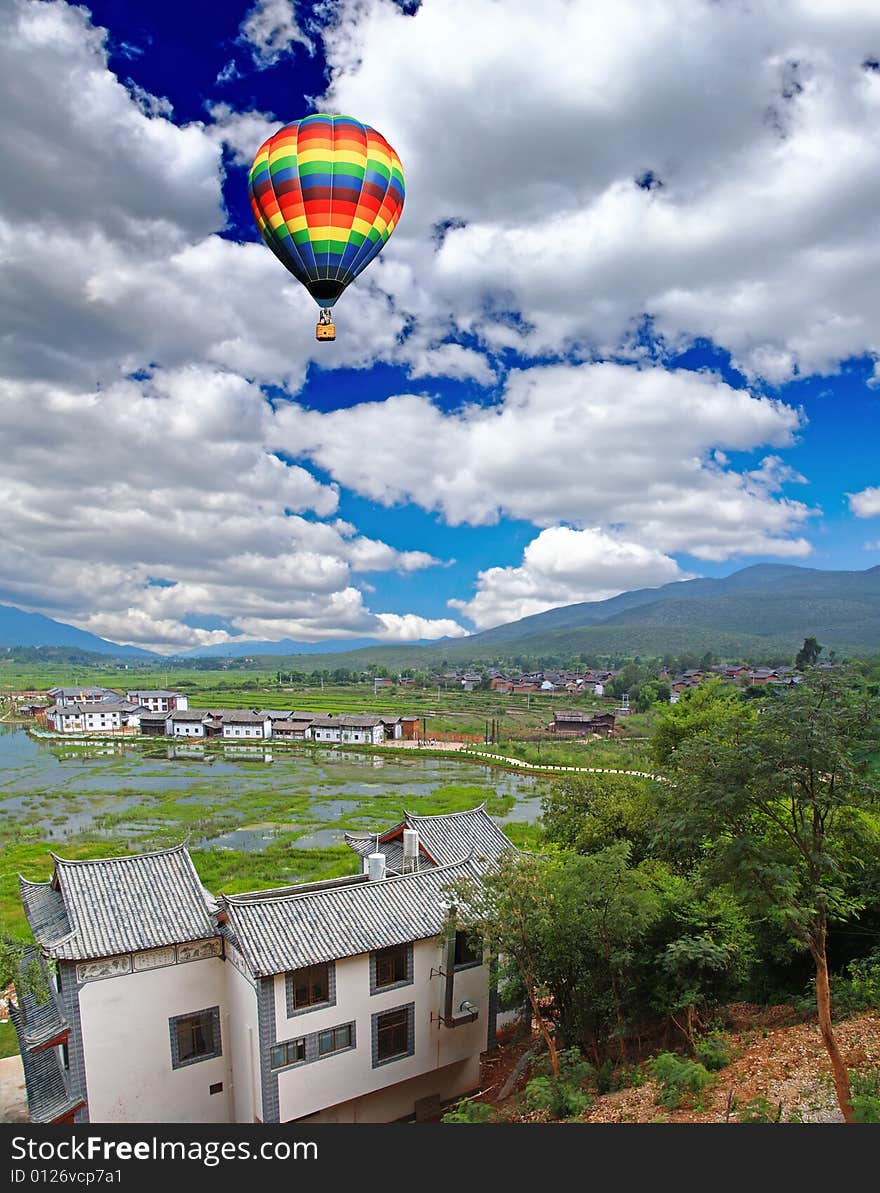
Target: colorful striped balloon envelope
(326, 192)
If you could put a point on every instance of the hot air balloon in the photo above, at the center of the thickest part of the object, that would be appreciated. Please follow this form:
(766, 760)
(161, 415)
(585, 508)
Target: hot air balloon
(326, 192)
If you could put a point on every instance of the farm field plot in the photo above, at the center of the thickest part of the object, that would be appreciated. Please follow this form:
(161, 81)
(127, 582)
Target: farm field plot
(252, 817)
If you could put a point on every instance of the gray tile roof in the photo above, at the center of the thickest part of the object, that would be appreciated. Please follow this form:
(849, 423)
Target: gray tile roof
(242, 716)
(47, 1093)
(187, 714)
(443, 837)
(38, 1022)
(346, 722)
(152, 692)
(46, 912)
(280, 932)
(120, 905)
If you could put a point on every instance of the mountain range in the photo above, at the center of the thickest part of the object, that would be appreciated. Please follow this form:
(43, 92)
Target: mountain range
(762, 608)
(18, 628)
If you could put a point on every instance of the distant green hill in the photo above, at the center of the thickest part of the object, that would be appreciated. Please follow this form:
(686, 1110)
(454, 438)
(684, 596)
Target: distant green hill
(757, 611)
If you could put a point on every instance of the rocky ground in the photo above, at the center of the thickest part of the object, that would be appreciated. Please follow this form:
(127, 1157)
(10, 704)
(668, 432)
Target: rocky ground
(776, 1056)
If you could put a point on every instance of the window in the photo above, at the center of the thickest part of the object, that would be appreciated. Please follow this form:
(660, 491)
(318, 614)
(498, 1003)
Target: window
(313, 986)
(468, 950)
(393, 1035)
(334, 1040)
(391, 967)
(288, 1053)
(195, 1037)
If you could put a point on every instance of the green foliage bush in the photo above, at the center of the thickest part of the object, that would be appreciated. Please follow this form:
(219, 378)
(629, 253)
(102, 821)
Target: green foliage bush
(859, 986)
(470, 1112)
(556, 1097)
(562, 1096)
(679, 1079)
(758, 1110)
(866, 1096)
(713, 1051)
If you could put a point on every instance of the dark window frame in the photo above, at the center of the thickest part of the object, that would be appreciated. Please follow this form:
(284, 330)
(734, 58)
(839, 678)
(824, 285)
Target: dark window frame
(206, 1020)
(381, 1032)
(339, 1042)
(294, 977)
(468, 950)
(379, 957)
(294, 1053)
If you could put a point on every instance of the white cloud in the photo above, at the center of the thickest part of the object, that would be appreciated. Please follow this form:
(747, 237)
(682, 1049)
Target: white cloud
(865, 504)
(271, 30)
(242, 132)
(759, 121)
(563, 567)
(132, 510)
(594, 445)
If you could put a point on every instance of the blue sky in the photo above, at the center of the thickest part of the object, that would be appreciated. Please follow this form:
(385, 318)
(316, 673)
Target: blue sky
(555, 383)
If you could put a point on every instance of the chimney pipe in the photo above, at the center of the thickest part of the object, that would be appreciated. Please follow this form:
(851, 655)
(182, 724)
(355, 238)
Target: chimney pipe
(410, 850)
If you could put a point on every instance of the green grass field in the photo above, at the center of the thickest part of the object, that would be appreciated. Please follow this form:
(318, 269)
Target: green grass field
(8, 1041)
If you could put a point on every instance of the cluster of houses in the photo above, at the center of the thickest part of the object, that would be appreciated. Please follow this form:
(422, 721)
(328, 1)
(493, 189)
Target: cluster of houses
(356, 999)
(160, 713)
(779, 676)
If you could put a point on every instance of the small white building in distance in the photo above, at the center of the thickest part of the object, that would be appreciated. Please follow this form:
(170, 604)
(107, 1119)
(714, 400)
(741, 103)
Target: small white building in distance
(159, 700)
(104, 716)
(81, 695)
(339, 1001)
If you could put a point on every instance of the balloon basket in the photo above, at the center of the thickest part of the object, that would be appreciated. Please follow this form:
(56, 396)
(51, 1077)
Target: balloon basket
(325, 331)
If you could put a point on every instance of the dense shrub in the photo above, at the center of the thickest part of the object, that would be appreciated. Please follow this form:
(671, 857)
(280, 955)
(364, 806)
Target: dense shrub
(859, 986)
(679, 1079)
(713, 1051)
(470, 1112)
(556, 1098)
(758, 1110)
(563, 1096)
(866, 1096)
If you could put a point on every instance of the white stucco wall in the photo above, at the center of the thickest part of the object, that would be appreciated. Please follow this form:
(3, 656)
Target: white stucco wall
(262, 730)
(331, 1080)
(242, 1039)
(127, 1046)
(186, 728)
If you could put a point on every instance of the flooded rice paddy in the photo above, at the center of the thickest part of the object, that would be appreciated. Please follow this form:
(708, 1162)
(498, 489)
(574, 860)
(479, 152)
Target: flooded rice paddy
(244, 799)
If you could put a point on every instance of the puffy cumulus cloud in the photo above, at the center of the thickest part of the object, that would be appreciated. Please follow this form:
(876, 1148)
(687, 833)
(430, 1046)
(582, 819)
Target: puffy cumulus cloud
(865, 504)
(241, 132)
(594, 445)
(136, 509)
(714, 166)
(110, 230)
(562, 567)
(79, 151)
(408, 627)
(271, 30)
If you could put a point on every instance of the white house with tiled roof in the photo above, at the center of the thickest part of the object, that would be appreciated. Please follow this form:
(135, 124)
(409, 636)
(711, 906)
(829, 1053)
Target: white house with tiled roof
(159, 699)
(347, 1000)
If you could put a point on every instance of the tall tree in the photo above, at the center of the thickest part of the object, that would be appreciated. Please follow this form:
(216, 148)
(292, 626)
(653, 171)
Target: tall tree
(808, 655)
(780, 804)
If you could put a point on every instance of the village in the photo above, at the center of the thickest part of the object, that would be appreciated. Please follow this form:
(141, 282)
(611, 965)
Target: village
(78, 709)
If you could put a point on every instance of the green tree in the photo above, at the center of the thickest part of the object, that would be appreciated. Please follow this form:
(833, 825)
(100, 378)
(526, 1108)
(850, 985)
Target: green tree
(709, 705)
(781, 804)
(571, 925)
(808, 655)
(587, 813)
